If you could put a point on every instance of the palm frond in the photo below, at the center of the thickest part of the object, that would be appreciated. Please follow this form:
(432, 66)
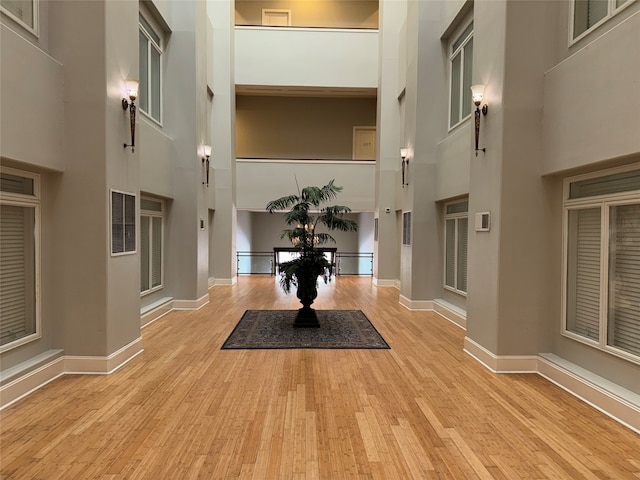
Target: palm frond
(282, 203)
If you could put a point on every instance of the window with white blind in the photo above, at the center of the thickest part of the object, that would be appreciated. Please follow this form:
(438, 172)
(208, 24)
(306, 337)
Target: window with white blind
(123, 223)
(602, 251)
(461, 66)
(19, 258)
(150, 58)
(151, 242)
(456, 226)
(406, 228)
(586, 14)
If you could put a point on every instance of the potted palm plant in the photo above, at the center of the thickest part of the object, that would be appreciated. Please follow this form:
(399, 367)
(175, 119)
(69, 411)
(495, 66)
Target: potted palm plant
(304, 212)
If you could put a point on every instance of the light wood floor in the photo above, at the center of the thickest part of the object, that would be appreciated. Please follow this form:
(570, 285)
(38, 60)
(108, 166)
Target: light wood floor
(424, 409)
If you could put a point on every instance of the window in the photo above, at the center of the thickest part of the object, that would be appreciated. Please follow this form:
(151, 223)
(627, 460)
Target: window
(406, 228)
(461, 60)
(123, 223)
(19, 258)
(602, 252)
(456, 226)
(150, 94)
(589, 13)
(25, 12)
(151, 241)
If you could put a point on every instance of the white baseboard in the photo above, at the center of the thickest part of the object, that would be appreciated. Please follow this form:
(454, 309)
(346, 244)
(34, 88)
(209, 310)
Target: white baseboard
(153, 312)
(502, 363)
(618, 403)
(416, 304)
(103, 365)
(222, 281)
(191, 304)
(380, 282)
(614, 401)
(32, 380)
(450, 312)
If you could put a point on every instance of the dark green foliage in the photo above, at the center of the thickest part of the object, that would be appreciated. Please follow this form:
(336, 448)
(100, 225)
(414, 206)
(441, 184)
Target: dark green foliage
(305, 212)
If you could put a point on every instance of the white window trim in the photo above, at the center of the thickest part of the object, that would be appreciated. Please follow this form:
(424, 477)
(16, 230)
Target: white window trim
(34, 202)
(35, 30)
(452, 39)
(110, 221)
(152, 213)
(453, 216)
(408, 225)
(612, 11)
(160, 33)
(604, 202)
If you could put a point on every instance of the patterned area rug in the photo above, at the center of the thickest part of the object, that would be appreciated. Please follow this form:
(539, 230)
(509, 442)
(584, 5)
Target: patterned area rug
(263, 329)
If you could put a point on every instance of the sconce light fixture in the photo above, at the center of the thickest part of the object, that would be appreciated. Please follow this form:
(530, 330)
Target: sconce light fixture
(477, 94)
(405, 162)
(206, 150)
(132, 93)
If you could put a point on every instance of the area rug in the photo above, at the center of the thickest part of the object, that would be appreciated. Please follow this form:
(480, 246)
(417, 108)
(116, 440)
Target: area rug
(270, 329)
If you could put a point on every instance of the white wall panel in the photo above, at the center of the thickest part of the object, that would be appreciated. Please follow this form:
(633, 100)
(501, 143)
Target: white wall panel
(32, 103)
(591, 101)
(306, 57)
(259, 182)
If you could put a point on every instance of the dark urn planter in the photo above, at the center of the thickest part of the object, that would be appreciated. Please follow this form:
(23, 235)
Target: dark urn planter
(307, 291)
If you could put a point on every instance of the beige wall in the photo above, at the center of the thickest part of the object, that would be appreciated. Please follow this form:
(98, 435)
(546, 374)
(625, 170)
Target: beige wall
(311, 13)
(300, 128)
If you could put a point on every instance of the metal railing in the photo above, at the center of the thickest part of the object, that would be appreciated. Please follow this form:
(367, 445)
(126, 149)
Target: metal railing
(264, 263)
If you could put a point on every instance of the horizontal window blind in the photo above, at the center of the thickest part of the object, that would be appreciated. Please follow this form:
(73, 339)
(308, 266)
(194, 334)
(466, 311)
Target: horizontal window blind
(624, 278)
(462, 254)
(17, 272)
(583, 281)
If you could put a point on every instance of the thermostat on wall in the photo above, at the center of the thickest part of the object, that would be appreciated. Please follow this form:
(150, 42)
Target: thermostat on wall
(483, 221)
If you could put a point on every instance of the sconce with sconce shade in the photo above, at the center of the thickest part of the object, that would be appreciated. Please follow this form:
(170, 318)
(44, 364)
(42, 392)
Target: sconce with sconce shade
(477, 94)
(132, 93)
(206, 150)
(404, 151)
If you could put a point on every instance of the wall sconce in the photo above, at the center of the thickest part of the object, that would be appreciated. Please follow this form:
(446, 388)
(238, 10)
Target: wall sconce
(403, 154)
(132, 92)
(206, 150)
(477, 93)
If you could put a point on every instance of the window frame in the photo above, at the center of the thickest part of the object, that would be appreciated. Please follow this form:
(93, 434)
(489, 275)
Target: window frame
(135, 226)
(151, 43)
(455, 217)
(612, 10)
(153, 214)
(407, 228)
(604, 202)
(35, 29)
(28, 201)
(451, 55)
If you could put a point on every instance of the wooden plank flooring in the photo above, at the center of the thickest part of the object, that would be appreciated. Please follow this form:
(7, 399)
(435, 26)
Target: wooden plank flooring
(423, 410)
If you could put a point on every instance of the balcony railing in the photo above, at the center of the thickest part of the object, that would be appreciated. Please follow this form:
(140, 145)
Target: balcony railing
(266, 263)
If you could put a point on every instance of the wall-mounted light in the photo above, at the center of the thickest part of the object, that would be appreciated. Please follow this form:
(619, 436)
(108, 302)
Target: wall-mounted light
(477, 94)
(405, 162)
(132, 93)
(206, 150)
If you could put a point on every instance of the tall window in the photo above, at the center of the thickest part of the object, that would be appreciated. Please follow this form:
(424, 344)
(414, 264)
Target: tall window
(461, 61)
(151, 232)
(456, 226)
(602, 251)
(150, 94)
(406, 228)
(589, 13)
(24, 12)
(123, 223)
(19, 258)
